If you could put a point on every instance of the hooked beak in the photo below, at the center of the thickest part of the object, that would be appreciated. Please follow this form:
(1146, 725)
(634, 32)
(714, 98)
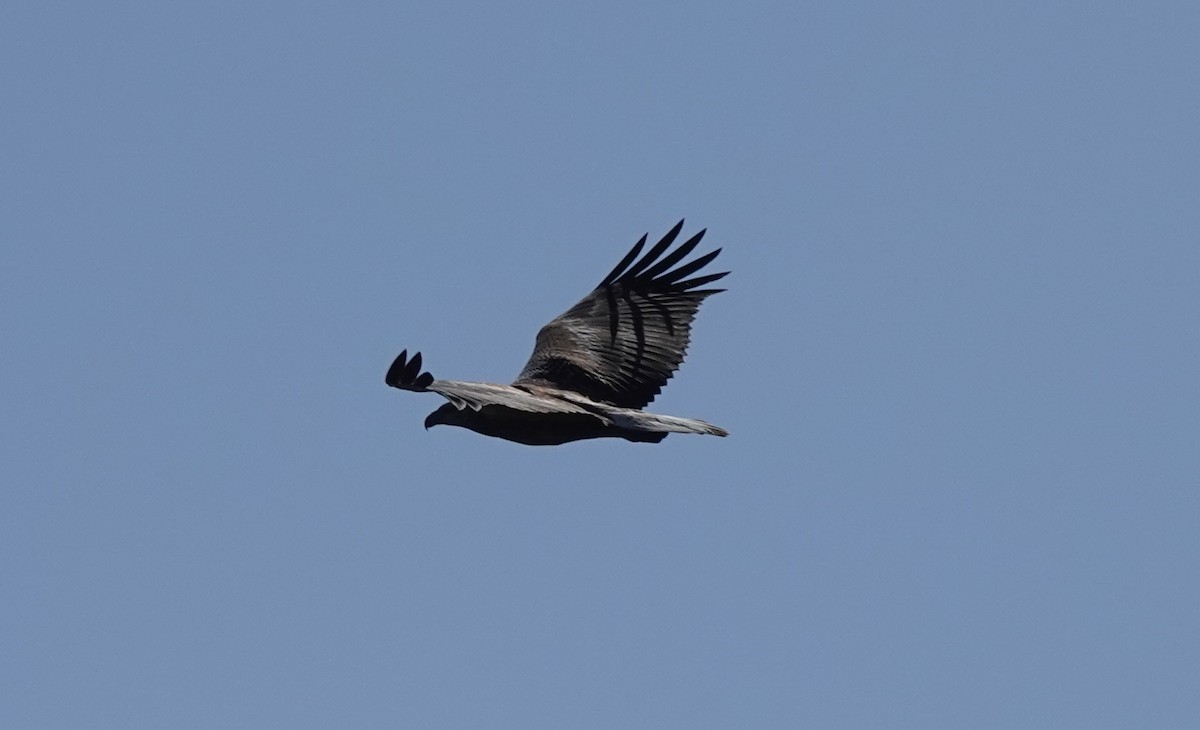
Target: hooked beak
(438, 417)
(443, 415)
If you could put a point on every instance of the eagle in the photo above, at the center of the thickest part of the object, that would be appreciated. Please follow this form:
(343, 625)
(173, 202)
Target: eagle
(595, 366)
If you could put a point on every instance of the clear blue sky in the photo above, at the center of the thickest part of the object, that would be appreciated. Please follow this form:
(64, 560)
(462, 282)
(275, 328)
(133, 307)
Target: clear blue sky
(958, 356)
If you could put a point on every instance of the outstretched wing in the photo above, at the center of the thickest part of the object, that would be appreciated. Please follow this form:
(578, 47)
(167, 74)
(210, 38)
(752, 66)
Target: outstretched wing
(621, 343)
(406, 374)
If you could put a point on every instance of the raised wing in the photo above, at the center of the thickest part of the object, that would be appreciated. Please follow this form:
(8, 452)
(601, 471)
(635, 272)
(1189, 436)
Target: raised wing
(622, 342)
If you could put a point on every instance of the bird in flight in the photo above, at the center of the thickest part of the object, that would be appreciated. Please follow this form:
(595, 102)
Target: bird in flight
(595, 366)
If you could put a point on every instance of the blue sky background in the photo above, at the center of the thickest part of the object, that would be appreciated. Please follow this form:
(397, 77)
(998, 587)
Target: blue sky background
(958, 359)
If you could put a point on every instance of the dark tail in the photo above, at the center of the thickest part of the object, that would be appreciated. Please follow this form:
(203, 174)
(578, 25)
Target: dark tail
(406, 374)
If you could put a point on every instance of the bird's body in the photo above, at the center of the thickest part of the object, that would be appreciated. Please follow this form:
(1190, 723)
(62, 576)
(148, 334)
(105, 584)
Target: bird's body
(594, 367)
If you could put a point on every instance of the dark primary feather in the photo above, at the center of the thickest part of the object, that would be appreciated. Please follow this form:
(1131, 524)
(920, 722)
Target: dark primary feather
(623, 341)
(406, 374)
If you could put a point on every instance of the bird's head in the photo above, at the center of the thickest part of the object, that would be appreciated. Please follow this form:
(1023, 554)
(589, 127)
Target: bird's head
(447, 414)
